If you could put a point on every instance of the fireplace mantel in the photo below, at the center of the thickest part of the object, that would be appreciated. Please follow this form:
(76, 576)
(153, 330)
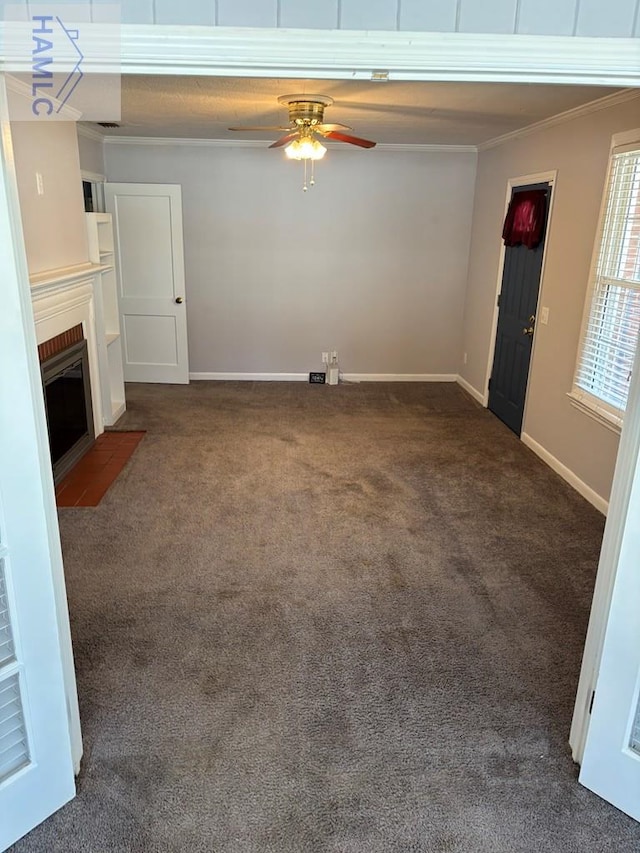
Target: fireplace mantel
(64, 298)
(51, 280)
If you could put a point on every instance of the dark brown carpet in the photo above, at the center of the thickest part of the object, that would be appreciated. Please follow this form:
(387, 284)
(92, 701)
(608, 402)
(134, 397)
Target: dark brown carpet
(343, 620)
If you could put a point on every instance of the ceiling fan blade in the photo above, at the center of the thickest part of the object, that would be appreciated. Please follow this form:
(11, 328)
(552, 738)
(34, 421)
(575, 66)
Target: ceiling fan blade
(286, 127)
(325, 127)
(352, 140)
(284, 139)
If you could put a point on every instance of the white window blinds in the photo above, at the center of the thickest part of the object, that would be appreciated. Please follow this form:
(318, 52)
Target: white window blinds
(610, 333)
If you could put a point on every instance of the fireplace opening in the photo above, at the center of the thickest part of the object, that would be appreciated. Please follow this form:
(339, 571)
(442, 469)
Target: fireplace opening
(67, 394)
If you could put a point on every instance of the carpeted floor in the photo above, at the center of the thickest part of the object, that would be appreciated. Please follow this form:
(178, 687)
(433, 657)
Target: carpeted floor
(329, 620)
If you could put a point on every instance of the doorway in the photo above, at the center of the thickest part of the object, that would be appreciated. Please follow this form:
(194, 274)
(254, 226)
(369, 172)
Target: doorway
(517, 315)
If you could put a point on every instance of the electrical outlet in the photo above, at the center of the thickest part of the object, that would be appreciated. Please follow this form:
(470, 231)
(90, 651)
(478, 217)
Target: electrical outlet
(325, 358)
(334, 355)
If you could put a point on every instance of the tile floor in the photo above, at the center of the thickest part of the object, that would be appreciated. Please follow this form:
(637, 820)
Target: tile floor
(88, 482)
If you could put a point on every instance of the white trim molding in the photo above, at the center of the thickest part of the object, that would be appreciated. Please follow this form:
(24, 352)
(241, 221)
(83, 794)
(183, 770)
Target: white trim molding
(471, 391)
(346, 377)
(353, 54)
(250, 377)
(164, 141)
(567, 474)
(360, 55)
(399, 377)
(89, 132)
(589, 407)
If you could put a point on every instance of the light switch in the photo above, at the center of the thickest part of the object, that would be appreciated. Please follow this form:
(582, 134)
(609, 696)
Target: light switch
(544, 316)
(39, 183)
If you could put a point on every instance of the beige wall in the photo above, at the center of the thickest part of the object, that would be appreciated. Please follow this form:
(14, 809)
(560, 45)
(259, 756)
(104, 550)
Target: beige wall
(372, 261)
(54, 223)
(579, 150)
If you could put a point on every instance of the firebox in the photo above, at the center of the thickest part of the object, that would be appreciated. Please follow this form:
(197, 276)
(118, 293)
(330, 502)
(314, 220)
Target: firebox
(67, 394)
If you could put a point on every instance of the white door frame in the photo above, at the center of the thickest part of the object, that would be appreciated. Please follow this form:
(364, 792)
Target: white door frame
(627, 464)
(420, 56)
(617, 554)
(150, 49)
(513, 183)
(15, 281)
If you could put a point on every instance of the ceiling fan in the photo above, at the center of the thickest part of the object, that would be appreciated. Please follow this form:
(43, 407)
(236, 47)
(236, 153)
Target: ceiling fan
(306, 124)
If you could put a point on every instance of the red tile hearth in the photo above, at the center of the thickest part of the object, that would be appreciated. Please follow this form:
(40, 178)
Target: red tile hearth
(88, 482)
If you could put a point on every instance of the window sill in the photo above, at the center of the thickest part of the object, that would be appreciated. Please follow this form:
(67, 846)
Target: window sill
(606, 419)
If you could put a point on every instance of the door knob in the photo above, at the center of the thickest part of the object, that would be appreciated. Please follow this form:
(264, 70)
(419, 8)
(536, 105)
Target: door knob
(178, 300)
(528, 331)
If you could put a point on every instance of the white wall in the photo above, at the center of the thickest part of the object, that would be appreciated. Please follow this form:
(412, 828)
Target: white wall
(91, 154)
(532, 17)
(579, 150)
(372, 261)
(54, 224)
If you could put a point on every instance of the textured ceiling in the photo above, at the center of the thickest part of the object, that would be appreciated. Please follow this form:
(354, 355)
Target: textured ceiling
(393, 112)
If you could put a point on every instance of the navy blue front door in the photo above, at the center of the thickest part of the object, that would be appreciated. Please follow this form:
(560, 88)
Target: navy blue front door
(516, 322)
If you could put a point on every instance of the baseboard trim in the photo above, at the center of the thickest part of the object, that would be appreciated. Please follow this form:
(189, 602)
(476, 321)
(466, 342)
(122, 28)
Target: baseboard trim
(398, 377)
(471, 391)
(251, 377)
(567, 474)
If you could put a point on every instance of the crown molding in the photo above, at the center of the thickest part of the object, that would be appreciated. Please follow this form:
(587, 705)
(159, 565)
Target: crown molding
(165, 141)
(353, 54)
(90, 133)
(23, 90)
(560, 118)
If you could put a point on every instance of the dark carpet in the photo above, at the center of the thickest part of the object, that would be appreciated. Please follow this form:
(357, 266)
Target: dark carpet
(340, 619)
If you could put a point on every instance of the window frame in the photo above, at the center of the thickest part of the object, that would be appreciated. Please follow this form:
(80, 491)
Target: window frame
(590, 404)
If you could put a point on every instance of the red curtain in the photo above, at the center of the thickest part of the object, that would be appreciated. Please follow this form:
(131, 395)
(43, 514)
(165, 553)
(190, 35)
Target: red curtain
(524, 223)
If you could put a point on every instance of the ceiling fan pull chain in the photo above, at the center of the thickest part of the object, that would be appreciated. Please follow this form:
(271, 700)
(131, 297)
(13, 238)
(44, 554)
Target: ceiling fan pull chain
(313, 167)
(305, 187)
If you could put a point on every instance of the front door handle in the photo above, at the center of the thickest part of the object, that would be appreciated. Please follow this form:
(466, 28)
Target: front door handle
(528, 331)
(178, 300)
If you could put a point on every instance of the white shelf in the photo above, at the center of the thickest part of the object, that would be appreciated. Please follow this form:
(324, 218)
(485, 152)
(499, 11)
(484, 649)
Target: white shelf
(107, 315)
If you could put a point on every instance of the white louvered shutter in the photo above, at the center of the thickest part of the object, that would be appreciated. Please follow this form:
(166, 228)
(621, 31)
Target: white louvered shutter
(14, 741)
(610, 333)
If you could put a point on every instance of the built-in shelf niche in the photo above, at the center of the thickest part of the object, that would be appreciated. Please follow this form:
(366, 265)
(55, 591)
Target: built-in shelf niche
(101, 253)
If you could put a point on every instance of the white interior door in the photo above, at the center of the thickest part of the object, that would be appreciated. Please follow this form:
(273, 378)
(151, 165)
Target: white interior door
(611, 759)
(611, 762)
(36, 767)
(149, 249)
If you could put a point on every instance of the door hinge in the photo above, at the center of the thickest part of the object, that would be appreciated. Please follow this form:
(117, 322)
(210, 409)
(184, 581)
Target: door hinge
(499, 299)
(489, 385)
(593, 696)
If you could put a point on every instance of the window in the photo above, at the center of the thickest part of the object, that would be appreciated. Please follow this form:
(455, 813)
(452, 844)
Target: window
(612, 322)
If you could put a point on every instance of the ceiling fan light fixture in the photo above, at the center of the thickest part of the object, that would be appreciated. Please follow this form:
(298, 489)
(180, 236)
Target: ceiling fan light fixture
(305, 149)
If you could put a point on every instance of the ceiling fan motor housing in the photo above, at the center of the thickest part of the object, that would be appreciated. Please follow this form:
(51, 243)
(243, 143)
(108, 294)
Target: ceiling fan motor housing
(306, 112)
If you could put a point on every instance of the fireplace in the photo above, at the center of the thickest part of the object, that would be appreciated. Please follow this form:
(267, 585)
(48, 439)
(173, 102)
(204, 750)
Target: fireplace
(67, 394)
